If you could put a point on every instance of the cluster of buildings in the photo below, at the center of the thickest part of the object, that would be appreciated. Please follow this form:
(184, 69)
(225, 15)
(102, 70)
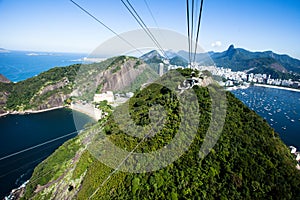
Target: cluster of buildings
(297, 156)
(235, 78)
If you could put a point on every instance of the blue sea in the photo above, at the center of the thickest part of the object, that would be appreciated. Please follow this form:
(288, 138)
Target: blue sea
(20, 65)
(280, 108)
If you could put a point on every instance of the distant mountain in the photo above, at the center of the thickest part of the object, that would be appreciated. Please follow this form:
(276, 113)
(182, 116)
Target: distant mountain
(152, 57)
(178, 60)
(202, 58)
(4, 50)
(3, 79)
(171, 54)
(239, 59)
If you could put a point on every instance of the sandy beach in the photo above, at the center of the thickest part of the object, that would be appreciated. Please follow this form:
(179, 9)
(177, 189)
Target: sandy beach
(85, 109)
(4, 114)
(44, 110)
(30, 111)
(278, 87)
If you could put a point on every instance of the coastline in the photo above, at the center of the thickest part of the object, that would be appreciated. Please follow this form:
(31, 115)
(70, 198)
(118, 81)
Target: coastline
(29, 111)
(277, 87)
(87, 109)
(4, 114)
(84, 109)
(90, 114)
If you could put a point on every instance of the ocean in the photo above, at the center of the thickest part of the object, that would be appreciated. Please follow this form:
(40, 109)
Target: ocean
(20, 65)
(280, 108)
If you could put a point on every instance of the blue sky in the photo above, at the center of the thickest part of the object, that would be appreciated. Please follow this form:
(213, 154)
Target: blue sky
(57, 25)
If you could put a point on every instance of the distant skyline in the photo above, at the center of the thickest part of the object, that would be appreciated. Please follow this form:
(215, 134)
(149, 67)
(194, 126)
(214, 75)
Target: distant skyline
(58, 25)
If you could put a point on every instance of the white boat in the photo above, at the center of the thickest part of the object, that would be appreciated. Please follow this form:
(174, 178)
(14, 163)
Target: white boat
(293, 149)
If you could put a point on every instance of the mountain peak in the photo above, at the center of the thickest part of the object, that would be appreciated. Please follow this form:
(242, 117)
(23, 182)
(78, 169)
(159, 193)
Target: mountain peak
(231, 47)
(2, 50)
(152, 57)
(231, 51)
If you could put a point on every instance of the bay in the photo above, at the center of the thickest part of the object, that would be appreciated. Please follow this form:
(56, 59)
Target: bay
(280, 108)
(19, 132)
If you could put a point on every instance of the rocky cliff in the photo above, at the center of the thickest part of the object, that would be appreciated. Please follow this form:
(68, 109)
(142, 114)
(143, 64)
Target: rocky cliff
(3, 79)
(117, 80)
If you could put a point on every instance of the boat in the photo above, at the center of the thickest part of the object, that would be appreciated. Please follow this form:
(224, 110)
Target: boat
(293, 149)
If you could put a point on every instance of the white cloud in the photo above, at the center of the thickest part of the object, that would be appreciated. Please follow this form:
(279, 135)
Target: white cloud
(216, 44)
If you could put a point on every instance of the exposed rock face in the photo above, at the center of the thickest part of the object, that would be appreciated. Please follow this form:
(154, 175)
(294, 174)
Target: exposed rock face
(3, 79)
(207, 81)
(278, 67)
(58, 85)
(116, 74)
(122, 78)
(55, 100)
(3, 100)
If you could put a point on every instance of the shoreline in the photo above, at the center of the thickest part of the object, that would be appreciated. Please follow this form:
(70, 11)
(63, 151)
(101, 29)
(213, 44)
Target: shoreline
(86, 109)
(30, 111)
(4, 114)
(46, 110)
(277, 87)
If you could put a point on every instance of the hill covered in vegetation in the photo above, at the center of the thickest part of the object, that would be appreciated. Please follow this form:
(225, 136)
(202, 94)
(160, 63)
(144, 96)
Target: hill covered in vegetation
(53, 87)
(249, 160)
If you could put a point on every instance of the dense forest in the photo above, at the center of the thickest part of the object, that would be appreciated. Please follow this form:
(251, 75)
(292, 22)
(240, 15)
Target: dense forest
(249, 160)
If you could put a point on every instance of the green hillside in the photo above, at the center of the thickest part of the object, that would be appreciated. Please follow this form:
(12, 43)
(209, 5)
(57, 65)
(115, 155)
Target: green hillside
(249, 160)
